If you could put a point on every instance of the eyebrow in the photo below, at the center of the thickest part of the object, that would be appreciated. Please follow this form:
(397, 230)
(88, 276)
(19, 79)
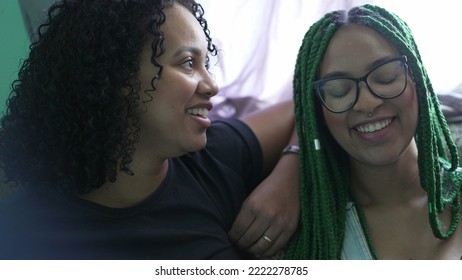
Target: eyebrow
(371, 66)
(193, 50)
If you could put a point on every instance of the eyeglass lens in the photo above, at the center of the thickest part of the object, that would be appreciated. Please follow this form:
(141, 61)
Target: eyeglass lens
(386, 81)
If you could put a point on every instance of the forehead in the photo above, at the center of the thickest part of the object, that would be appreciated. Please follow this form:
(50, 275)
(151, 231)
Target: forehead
(353, 49)
(182, 28)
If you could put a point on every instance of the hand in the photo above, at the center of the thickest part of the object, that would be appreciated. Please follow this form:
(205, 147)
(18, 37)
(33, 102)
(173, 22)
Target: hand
(270, 215)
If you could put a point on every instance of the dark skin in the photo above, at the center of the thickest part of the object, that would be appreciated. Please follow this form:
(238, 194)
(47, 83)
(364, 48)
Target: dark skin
(383, 157)
(169, 129)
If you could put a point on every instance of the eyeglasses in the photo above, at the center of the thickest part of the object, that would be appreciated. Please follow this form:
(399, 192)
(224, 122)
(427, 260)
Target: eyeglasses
(387, 80)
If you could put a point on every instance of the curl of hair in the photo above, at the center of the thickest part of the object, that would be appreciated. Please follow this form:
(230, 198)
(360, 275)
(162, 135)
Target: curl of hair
(70, 120)
(325, 172)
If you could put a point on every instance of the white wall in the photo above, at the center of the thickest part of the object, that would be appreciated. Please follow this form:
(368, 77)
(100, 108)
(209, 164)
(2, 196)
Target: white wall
(436, 26)
(260, 40)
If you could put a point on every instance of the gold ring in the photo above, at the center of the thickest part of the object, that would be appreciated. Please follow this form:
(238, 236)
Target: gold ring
(267, 238)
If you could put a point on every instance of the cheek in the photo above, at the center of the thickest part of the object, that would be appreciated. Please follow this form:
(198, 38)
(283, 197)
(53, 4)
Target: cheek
(336, 123)
(168, 98)
(410, 105)
(176, 86)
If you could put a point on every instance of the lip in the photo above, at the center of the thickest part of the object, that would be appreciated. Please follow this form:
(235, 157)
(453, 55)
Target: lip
(372, 121)
(202, 105)
(201, 120)
(377, 136)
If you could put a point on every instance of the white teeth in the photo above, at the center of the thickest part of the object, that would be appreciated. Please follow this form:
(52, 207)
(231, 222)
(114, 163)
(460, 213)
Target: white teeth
(199, 112)
(368, 128)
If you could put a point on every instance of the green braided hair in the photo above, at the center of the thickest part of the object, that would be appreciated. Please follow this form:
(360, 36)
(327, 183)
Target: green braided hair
(325, 171)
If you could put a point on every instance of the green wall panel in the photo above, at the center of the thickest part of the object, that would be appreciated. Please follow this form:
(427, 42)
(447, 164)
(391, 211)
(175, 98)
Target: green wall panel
(14, 46)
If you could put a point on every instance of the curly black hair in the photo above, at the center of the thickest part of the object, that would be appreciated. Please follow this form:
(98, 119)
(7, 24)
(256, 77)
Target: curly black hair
(67, 123)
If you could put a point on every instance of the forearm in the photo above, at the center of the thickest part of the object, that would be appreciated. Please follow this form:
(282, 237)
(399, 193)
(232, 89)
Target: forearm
(275, 129)
(272, 210)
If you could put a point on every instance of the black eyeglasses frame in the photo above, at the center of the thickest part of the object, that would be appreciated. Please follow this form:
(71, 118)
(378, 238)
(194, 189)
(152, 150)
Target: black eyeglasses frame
(318, 83)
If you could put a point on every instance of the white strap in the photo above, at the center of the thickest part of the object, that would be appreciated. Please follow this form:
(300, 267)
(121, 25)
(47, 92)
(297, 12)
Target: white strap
(355, 245)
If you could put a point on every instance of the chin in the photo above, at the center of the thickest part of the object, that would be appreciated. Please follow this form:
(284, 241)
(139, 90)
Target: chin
(197, 145)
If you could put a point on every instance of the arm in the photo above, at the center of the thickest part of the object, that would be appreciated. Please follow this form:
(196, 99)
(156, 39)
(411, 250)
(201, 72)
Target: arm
(272, 209)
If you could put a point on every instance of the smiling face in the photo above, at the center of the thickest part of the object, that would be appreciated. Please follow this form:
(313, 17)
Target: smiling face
(174, 122)
(379, 139)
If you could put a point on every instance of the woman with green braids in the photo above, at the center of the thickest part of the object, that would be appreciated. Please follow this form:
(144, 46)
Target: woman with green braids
(379, 169)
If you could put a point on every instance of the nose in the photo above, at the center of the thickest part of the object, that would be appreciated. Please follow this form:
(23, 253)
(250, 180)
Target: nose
(367, 101)
(207, 85)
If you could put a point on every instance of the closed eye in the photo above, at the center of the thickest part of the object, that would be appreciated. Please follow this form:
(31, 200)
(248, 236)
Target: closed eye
(386, 79)
(337, 88)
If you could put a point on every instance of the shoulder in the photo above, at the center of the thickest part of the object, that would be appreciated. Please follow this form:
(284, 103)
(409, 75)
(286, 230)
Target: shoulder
(231, 128)
(232, 136)
(32, 206)
(232, 153)
(233, 142)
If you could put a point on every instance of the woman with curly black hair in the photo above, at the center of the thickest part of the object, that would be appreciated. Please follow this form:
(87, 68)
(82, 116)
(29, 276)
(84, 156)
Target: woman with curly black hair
(106, 131)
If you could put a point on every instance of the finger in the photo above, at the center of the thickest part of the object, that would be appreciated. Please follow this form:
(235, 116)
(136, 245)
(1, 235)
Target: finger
(240, 226)
(279, 236)
(253, 233)
(279, 244)
(285, 233)
(264, 244)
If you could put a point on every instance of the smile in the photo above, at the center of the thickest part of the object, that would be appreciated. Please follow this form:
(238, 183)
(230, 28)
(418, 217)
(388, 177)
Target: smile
(372, 127)
(201, 112)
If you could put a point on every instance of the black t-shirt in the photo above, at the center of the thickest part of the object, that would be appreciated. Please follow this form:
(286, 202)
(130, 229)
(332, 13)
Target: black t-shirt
(187, 217)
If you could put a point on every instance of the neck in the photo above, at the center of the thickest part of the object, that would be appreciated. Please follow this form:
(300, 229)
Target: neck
(396, 183)
(129, 190)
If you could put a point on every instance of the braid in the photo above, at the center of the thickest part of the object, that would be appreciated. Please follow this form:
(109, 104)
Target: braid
(325, 173)
(438, 174)
(320, 233)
